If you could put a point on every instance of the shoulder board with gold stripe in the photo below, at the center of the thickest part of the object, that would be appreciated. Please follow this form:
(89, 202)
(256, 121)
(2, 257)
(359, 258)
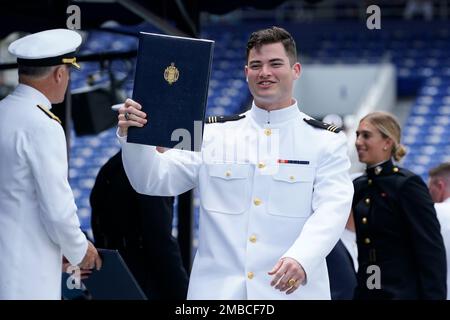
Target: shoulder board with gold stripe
(220, 119)
(49, 113)
(323, 125)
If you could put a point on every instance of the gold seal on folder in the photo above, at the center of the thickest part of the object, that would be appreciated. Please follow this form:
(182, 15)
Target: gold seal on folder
(171, 73)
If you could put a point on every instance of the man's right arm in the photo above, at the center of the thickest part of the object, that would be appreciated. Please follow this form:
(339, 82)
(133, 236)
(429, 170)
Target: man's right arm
(149, 171)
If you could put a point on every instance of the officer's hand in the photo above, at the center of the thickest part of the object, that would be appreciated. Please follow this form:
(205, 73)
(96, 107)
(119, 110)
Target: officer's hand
(285, 270)
(91, 258)
(130, 116)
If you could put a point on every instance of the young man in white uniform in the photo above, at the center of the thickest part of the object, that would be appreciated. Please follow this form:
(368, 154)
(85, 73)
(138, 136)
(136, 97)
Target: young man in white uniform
(274, 186)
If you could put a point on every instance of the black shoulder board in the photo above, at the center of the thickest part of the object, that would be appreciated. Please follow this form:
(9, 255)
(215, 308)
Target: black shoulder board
(49, 113)
(323, 125)
(220, 119)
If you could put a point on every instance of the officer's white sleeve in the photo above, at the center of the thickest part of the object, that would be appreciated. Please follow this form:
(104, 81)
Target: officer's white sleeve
(47, 155)
(160, 174)
(331, 204)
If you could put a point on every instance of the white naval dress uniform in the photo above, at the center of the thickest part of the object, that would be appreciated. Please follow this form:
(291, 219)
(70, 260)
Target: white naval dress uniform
(255, 211)
(38, 221)
(443, 214)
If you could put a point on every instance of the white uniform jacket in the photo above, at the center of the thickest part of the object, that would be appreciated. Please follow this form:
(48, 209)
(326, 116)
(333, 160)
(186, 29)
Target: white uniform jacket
(255, 210)
(443, 214)
(38, 220)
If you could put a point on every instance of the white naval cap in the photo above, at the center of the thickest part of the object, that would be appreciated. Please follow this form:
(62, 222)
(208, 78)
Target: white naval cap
(47, 48)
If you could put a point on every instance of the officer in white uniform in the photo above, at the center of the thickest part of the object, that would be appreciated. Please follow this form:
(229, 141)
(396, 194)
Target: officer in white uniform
(274, 187)
(38, 221)
(439, 185)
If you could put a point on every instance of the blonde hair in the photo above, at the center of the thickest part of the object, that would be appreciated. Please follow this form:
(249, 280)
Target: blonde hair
(389, 127)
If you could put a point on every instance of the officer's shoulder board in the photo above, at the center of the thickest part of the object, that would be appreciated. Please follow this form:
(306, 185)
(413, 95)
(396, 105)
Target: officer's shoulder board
(49, 113)
(221, 119)
(323, 125)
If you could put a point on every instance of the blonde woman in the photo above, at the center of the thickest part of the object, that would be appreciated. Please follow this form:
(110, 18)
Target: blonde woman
(401, 253)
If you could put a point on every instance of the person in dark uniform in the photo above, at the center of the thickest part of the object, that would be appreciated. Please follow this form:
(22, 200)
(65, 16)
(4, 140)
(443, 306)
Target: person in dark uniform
(401, 253)
(140, 227)
(341, 273)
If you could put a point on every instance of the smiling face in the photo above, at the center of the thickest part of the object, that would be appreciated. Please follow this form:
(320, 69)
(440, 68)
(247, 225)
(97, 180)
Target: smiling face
(271, 76)
(370, 144)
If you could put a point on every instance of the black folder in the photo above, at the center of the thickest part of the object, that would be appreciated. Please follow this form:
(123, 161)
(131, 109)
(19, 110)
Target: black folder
(171, 83)
(113, 281)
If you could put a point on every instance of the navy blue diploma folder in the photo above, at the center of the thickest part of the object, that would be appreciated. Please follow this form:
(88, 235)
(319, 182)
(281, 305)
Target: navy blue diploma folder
(171, 83)
(113, 281)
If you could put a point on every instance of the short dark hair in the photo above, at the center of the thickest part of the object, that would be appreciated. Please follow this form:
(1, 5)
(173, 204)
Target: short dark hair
(33, 71)
(442, 170)
(273, 35)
